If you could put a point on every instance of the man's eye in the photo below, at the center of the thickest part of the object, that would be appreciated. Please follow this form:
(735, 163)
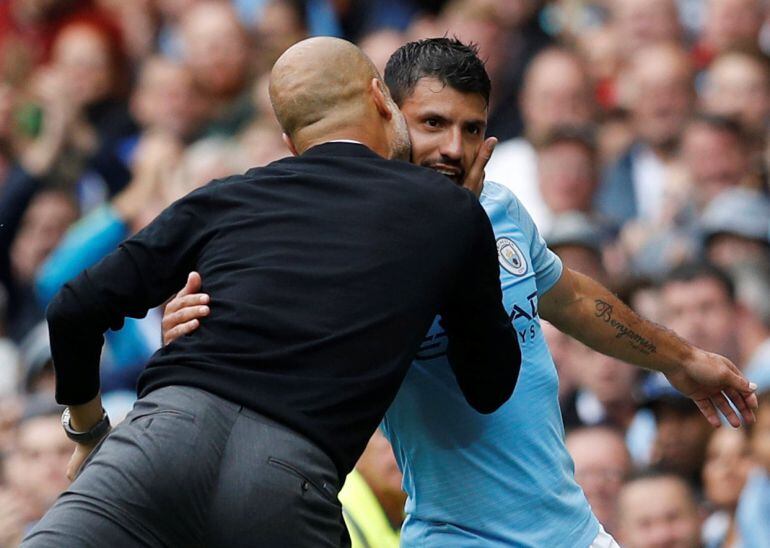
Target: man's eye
(432, 122)
(473, 130)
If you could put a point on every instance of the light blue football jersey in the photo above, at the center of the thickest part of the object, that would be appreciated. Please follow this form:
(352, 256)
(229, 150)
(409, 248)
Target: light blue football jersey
(503, 479)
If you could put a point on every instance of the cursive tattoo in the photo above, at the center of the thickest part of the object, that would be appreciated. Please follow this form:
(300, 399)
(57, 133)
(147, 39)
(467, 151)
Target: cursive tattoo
(604, 312)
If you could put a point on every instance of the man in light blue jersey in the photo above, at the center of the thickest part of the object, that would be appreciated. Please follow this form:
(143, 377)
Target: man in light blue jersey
(503, 479)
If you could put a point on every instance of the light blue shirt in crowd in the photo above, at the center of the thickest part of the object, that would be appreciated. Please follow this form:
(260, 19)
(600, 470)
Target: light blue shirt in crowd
(503, 479)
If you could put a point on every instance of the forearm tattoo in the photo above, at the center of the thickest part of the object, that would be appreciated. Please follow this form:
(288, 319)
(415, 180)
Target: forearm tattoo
(604, 312)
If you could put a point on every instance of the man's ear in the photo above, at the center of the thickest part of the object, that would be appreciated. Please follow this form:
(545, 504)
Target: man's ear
(381, 98)
(289, 144)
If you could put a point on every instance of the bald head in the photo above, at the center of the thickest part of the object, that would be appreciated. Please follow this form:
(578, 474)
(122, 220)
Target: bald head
(325, 89)
(320, 81)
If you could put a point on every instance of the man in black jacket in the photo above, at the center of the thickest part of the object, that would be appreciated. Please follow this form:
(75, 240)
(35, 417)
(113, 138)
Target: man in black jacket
(328, 269)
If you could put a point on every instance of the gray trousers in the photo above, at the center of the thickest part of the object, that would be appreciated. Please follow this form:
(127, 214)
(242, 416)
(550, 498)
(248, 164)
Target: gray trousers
(188, 469)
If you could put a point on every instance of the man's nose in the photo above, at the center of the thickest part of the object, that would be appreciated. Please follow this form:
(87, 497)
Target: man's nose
(452, 146)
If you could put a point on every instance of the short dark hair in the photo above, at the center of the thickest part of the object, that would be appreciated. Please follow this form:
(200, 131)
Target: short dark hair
(453, 63)
(721, 124)
(582, 135)
(689, 272)
(656, 473)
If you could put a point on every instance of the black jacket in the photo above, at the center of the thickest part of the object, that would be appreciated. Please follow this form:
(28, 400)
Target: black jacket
(325, 271)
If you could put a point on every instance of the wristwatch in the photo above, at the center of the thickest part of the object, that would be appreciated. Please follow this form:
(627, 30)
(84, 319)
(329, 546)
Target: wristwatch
(97, 431)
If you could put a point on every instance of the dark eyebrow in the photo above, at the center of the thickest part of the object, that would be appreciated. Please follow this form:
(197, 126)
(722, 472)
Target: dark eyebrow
(432, 114)
(480, 123)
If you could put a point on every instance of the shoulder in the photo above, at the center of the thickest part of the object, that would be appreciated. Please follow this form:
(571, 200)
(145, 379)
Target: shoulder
(499, 196)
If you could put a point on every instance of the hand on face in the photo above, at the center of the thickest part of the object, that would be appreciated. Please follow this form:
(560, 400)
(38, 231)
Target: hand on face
(474, 177)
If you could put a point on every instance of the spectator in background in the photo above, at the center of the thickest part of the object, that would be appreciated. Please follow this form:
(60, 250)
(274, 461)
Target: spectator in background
(681, 433)
(45, 221)
(164, 172)
(578, 240)
(604, 393)
(372, 499)
(752, 287)
(89, 55)
(38, 378)
(28, 29)
(729, 24)
(509, 35)
(556, 93)
(614, 135)
(380, 45)
(736, 227)
(167, 99)
(754, 505)
(281, 24)
(567, 175)
(601, 52)
(217, 49)
(715, 155)
(44, 126)
(660, 93)
(658, 509)
(642, 23)
(33, 469)
(9, 356)
(737, 84)
(698, 303)
(601, 463)
(728, 461)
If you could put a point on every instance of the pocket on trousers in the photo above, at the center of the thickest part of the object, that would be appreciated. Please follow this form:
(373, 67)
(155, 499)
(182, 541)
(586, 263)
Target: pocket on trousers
(326, 490)
(147, 416)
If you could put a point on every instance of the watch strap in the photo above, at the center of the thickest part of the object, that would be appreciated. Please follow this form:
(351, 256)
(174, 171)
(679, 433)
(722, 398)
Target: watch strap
(95, 433)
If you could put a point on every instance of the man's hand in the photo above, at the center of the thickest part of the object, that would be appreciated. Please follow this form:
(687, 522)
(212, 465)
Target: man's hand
(83, 417)
(82, 450)
(474, 178)
(712, 381)
(181, 315)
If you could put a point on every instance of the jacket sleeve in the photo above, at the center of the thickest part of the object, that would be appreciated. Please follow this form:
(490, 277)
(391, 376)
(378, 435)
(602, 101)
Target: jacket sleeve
(482, 345)
(140, 274)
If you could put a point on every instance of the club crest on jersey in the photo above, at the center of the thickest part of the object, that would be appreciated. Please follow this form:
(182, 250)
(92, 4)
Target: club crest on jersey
(510, 257)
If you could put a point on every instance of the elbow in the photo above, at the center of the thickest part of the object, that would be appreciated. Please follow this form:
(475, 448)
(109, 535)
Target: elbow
(63, 312)
(492, 396)
(54, 312)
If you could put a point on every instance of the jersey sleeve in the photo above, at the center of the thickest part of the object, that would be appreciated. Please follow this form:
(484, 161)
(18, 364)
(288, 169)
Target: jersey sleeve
(545, 263)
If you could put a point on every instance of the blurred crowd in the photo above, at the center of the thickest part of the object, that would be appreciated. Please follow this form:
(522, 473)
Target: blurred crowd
(636, 133)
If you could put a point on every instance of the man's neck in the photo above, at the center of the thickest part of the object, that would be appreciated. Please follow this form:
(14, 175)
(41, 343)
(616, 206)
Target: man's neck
(347, 136)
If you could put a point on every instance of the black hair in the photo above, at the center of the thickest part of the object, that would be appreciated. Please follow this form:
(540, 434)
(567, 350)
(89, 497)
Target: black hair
(689, 272)
(656, 473)
(722, 124)
(453, 63)
(583, 135)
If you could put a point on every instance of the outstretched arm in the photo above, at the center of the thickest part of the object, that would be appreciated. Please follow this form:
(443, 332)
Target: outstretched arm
(586, 310)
